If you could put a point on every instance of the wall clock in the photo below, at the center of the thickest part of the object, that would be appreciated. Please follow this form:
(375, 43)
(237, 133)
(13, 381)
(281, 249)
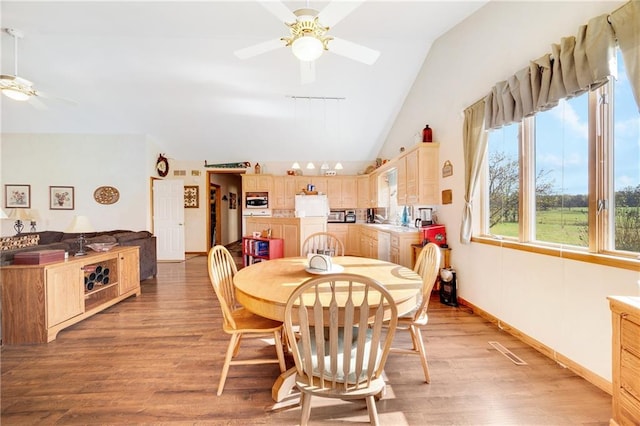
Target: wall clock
(162, 166)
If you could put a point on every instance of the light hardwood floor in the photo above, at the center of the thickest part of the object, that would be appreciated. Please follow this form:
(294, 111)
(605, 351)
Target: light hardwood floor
(156, 359)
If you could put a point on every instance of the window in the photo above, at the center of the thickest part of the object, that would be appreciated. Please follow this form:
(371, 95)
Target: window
(576, 181)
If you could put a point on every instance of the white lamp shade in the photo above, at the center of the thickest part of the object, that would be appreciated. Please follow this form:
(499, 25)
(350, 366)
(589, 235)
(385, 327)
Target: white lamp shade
(3, 215)
(338, 166)
(324, 166)
(16, 95)
(295, 166)
(307, 48)
(80, 225)
(310, 166)
(20, 214)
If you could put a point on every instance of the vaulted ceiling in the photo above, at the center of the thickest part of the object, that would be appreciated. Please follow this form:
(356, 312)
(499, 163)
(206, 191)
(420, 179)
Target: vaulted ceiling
(168, 70)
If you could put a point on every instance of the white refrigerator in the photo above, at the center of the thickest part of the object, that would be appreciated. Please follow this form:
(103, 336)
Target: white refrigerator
(312, 206)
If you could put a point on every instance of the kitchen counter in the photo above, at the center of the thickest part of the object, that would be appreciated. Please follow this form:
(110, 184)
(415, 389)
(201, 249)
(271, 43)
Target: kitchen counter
(391, 228)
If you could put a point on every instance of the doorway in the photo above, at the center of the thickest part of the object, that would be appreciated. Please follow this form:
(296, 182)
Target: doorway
(215, 219)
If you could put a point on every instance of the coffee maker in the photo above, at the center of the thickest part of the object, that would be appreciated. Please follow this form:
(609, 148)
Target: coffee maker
(371, 216)
(424, 217)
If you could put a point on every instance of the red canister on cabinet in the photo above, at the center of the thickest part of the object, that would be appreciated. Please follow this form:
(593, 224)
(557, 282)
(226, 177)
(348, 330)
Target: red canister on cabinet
(427, 134)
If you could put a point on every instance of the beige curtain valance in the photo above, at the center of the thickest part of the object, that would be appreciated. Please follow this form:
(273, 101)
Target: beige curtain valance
(577, 64)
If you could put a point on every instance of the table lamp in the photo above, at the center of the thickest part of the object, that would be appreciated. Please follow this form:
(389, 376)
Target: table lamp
(20, 216)
(81, 225)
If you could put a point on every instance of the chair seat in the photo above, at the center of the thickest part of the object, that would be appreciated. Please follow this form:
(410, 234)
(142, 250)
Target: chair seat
(247, 321)
(377, 385)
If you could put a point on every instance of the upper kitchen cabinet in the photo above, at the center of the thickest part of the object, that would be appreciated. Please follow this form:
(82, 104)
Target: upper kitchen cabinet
(257, 183)
(342, 191)
(422, 174)
(364, 194)
(284, 192)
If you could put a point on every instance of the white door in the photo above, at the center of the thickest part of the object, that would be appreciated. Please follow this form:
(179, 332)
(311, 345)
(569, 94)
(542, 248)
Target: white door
(168, 218)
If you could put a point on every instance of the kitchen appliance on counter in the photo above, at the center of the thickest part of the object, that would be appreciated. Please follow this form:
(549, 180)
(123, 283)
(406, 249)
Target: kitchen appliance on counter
(434, 234)
(424, 217)
(371, 216)
(350, 216)
(336, 216)
(312, 206)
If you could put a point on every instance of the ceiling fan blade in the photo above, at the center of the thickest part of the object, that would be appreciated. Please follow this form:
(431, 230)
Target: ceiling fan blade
(353, 51)
(55, 98)
(37, 103)
(258, 49)
(307, 72)
(279, 10)
(337, 10)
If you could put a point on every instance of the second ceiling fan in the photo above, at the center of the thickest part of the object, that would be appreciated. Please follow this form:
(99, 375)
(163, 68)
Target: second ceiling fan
(309, 37)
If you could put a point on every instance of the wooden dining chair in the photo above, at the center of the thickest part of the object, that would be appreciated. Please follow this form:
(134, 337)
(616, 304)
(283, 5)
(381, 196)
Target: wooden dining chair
(340, 350)
(428, 267)
(237, 321)
(323, 243)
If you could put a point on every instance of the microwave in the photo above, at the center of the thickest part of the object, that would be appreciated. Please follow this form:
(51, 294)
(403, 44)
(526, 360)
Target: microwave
(336, 216)
(256, 200)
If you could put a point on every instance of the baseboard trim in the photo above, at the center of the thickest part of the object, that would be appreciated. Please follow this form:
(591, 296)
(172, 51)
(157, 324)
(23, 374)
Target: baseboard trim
(564, 361)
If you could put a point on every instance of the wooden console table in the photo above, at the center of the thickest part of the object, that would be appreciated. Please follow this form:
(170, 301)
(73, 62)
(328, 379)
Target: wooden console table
(40, 300)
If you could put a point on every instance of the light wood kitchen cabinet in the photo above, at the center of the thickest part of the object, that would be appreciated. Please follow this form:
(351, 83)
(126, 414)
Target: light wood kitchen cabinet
(340, 230)
(40, 300)
(293, 230)
(257, 183)
(368, 242)
(401, 247)
(401, 180)
(373, 189)
(353, 240)
(342, 192)
(625, 312)
(364, 194)
(284, 192)
(423, 174)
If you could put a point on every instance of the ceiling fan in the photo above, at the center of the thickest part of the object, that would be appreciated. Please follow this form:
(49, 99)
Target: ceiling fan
(309, 37)
(16, 87)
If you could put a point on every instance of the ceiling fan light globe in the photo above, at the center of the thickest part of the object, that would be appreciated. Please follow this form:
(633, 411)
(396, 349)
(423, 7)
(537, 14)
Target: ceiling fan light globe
(16, 95)
(307, 48)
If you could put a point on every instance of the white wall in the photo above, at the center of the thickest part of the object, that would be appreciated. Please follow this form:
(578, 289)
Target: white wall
(561, 303)
(85, 162)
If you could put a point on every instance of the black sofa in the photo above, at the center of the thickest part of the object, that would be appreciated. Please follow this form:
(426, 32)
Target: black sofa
(46, 240)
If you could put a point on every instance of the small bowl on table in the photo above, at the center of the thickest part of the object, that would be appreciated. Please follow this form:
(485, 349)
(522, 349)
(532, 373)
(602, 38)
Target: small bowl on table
(101, 246)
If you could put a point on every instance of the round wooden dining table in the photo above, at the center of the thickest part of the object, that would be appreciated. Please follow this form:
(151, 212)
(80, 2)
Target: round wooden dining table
(264, 288)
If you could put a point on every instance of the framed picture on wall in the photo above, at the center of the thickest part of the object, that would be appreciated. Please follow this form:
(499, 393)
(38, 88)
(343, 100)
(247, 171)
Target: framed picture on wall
(191, 196)
(233, 201)
(17, 196)
(61, 198)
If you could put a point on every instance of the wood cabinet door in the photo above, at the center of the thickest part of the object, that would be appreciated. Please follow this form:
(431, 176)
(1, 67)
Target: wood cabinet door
(363, 192)
(340, 231)
(428, 172)
(65, 293)
(352, 248)
(334, 192)
(129, 271)
(373, 190)
(411, 177)
(402, 181)
(349, 192)
(321, 184)
(291, 237)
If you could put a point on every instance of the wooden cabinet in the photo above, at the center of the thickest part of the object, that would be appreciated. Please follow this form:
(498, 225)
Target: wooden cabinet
(401, 179)
(257, 183)
(40, 300)
(340, 231)
(258, 249)
(284, 193)
(368, 242)
(625, 359)
(342, 192)
(364, 194)
(373, 190)
(423, 174)
(353, 240)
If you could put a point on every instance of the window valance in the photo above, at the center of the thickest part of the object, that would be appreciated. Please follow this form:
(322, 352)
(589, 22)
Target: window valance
(577, 64)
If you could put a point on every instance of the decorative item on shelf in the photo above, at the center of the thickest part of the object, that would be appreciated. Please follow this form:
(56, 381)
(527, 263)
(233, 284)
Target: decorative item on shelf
(233, 201)
(447, 169)
(296, 169)
(225, 198)
(101, 246)
(191, 196)
(402, 149)
(257, 169)
(338, 166)
(427, 134)
(241, 165)
(324, 168)
(80, 225)
(310, 166)
(106, 195)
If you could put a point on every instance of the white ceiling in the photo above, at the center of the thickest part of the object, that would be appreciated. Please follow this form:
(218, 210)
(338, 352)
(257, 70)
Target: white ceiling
(167, 70)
